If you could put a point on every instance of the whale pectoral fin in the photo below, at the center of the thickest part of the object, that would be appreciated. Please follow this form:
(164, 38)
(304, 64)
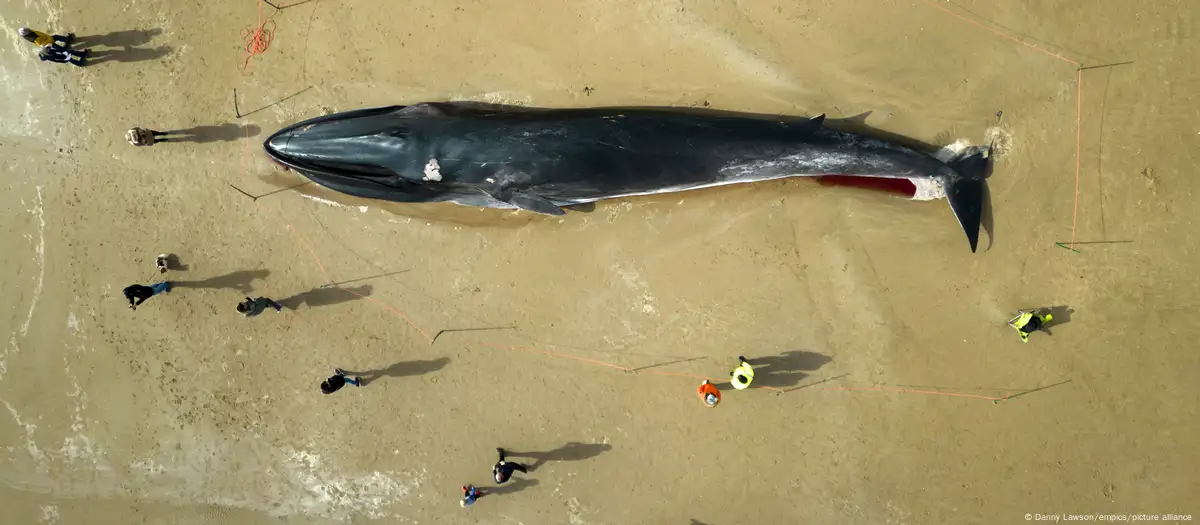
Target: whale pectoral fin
(818, 120)
(525, 201)
(535, 203)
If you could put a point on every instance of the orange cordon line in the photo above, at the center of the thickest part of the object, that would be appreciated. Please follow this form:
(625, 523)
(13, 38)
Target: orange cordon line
(395, 311)
(556, 354)
(676, 374)
(610, 365)
(908, 391)
(425, 334)
(596, 361)
(996, 31)
(1078, 101)
(310, 250)
(325, 273)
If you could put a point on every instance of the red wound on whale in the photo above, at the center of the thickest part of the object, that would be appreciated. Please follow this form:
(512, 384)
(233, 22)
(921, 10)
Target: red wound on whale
(889, 185)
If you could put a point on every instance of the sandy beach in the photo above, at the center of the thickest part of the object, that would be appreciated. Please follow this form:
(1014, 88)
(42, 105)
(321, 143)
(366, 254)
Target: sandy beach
(889, 388)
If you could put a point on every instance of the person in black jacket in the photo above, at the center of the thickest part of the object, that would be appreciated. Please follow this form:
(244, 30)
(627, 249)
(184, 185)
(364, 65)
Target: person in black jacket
(137, 294)
(62, 55)
(337, 381)
(252, 307)
(503, 470)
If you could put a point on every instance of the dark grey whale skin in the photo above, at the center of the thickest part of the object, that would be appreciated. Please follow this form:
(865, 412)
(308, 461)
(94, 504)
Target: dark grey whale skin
(541, 159)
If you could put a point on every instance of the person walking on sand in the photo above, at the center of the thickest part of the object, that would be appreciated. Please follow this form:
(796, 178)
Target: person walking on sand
(252, 307)
(337, 381)
(41, 39)
(137, 294)
(1029, 322)
(503, 470)
(470, 494)
(61, 55)
(742, 375)
(55, 48)
(709, 394)
(145, 136)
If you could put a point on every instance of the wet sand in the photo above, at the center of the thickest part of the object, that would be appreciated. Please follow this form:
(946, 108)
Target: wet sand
(856, 304)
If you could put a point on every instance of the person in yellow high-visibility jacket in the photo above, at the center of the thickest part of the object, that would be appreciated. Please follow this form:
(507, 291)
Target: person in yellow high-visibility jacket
(1028, 322)
(41, 39)
(742, 375)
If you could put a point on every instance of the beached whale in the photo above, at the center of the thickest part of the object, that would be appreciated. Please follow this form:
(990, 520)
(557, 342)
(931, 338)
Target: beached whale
(541, 159)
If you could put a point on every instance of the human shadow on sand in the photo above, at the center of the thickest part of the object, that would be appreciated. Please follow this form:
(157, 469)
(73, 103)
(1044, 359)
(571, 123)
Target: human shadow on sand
(401, 369)
(240, 280)
(129, 54)
(214, 133)
(573, 451)
(126, 38)
(326, 296)
(786, 369)
(513, 485)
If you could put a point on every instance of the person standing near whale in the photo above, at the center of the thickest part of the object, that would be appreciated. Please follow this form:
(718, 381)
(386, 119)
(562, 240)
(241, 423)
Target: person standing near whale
(709, 394)
(503, 470)
(337, 381)
(137, 293)
(41, 39)
(742, 375)
(252, 307)
(1029, 322)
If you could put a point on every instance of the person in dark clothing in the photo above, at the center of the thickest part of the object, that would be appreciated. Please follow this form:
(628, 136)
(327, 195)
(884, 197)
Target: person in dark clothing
(145, 137)
(337, 381)
(252, 307)
(137, 294)
(503, 470)
(62, 55)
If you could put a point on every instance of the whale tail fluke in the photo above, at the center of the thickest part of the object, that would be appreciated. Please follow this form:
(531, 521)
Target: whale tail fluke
(966, 189)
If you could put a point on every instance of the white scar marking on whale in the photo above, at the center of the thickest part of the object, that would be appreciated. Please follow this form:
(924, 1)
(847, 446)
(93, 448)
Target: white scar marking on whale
(433, 171)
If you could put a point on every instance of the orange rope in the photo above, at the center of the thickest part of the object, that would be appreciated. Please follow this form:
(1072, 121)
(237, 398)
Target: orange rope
(1078, 136)
(425, 334)
(908, 391)
(258, 38)
(1078, 100)
(361, 296)
(996, 31)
